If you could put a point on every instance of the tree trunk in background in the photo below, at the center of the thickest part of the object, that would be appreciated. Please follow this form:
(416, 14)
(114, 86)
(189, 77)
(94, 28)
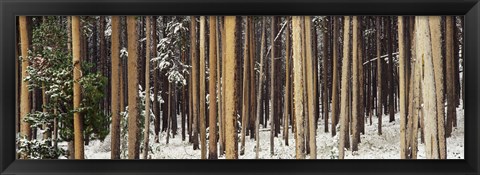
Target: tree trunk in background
(361, 80)
(335, 77)
(133, 113)
(218, 79)
(379, 78)
(203, 135)
(156, 87)
(25, 106)
(103, 60)
(450, 76)
(147, 90)
(272, 84)
(355, 87)
(77, 75)
(298, 85)
(391, 98)
(287, 85)
(116, 74)
(310, 88)
(260, 83)
(194, 81)
(252, 77)
(230, 67)
(246, 86)
(326, 40)
(344, 88)
(424, 52)
(212, 89)
(436, 41)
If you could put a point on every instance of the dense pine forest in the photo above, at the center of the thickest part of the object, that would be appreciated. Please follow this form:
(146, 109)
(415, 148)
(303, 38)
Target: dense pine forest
(240, 87)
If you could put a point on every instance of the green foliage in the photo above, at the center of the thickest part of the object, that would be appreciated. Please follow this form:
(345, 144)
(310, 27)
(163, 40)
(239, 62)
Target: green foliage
(38, 149)
(51, 68)
(169, 48)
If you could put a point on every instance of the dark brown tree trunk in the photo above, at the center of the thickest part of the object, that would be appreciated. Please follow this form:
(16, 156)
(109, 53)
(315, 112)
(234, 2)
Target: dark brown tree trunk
(325, 73)
(379, 75)
(390, 63)
(450, 71)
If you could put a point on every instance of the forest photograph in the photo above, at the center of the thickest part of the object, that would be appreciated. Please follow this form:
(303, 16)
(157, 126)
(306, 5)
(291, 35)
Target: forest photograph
(239, 87)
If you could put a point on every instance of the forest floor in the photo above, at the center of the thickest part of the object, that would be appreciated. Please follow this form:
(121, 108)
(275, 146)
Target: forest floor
(372, 146)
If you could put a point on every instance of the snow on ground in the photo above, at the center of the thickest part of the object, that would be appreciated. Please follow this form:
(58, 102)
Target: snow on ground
(372, 146)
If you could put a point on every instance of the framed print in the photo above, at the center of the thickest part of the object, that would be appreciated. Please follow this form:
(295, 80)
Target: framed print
(292, 87)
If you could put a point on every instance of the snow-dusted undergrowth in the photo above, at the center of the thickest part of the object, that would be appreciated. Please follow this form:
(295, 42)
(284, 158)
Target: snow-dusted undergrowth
(372, 146)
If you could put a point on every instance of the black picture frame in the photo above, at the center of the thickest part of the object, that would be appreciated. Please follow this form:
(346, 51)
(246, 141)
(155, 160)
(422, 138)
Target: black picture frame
(10, 8)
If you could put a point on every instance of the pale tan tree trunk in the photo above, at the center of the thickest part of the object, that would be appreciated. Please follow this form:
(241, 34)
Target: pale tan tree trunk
(116, 74)
(203, 134)
(402, 84)
(133, 130)
(355, 88)
(212, 90)
(344, 88)
(298, 85)
(415, 104)
(436, 40)
(424, 53)
(194, 81)
(230, 67)
(77, 75)
(147, 91)
(310, 86)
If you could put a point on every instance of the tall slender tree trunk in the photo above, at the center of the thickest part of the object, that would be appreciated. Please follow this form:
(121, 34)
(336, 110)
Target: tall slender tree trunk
(223, 123)
(260, 85)
(203, 135)
(436, 41)
(77, 75)
(402, 84)
(25, 106)
(194, 81)
(310, 88)
(272, 84)
(246, 86)
(147, 91)
(361, 81)
(287, 84)
(344, 88)
(115, 129)
(212, 88)
(355, 88)
(133, 129)
(379, 78)
(230, 64)
(450, 76)
(335, 77)
(390, 65)
(298, 85)
(252, 76)
(325, 95)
